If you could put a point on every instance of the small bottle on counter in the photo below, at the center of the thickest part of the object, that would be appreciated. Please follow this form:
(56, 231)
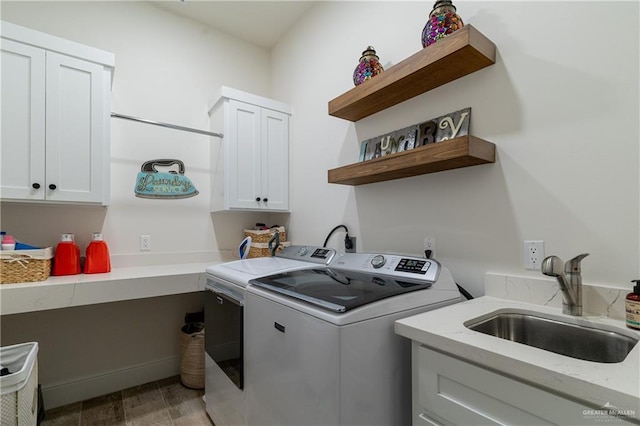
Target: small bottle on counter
(97, 261)
(66, 260)
(8, 242)
(632, 306)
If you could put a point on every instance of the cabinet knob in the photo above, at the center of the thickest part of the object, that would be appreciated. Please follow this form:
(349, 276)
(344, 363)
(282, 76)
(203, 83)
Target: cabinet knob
(52, 187)
(265, 200)
(35, 186)
(257, 198)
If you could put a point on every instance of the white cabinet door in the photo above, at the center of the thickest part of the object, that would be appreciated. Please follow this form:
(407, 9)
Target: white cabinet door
(23, 122)
(244, 160)
(451, 391)
(75, 130)
(275, 160)
(257, 172)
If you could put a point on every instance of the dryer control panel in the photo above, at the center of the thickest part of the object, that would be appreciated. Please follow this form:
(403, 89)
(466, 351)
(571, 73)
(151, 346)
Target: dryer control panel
(319, 255)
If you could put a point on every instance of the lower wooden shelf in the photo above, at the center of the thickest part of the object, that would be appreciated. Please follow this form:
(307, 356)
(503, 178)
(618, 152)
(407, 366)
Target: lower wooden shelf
(463, 151)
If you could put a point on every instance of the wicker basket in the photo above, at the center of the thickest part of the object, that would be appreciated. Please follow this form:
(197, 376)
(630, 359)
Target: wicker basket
(192, 363)
(19, 390)
(24, 266)
(262, 249)
(263, 236)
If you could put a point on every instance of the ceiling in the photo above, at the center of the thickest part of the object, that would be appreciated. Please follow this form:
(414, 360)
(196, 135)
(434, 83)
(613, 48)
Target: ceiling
(261, 22)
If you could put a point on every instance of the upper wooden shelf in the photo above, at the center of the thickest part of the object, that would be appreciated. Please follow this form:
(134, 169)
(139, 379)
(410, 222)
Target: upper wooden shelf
(459, 54)
(463, 151)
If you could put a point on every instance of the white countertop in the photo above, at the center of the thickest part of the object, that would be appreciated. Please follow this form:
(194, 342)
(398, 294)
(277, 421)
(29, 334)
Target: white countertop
(597, 383)
(124, 283)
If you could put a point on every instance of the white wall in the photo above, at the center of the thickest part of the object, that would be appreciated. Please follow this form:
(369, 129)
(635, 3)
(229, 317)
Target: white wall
(168, 69)
(561, 105)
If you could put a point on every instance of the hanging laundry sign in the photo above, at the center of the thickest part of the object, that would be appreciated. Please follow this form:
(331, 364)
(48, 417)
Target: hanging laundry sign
(153, 182)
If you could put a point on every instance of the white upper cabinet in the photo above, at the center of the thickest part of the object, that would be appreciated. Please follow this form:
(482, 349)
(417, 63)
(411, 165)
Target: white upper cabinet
(55, 119)
(250, 166)
(23, 120)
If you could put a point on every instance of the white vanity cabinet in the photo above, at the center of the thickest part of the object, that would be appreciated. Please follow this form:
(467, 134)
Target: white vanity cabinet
(450, 391)
(55, 119)
(250, 166)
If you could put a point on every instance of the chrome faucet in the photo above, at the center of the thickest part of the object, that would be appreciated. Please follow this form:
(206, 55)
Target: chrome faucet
(570, 280)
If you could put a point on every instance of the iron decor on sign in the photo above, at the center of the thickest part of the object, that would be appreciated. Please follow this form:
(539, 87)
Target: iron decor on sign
(171, 183)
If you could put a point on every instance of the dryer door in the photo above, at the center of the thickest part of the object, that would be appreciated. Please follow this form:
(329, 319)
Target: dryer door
(223, 337)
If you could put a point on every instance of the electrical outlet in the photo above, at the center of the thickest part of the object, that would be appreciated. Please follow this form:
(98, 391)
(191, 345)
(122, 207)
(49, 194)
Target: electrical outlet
(352, 248)
(145, 242)
(430, 244)
(533, 254)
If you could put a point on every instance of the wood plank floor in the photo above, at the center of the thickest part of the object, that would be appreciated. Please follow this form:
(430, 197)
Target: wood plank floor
(165, 402)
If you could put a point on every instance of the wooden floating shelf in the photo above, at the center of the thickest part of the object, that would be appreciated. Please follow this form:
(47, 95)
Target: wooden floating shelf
(459, 54)
(463, 151)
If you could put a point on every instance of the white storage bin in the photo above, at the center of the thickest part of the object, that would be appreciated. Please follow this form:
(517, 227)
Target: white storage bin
(19, 390)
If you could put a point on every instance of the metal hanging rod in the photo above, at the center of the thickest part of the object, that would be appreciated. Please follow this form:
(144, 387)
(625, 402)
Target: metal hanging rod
(170, 126)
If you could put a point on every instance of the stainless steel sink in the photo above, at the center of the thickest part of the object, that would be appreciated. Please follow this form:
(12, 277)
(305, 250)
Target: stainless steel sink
(581, 341)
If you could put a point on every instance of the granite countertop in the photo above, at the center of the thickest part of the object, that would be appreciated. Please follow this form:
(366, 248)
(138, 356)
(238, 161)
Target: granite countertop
(595, 383)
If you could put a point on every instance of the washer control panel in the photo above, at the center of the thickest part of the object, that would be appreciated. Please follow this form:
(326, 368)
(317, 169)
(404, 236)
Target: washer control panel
(416, 266)
(394, 265)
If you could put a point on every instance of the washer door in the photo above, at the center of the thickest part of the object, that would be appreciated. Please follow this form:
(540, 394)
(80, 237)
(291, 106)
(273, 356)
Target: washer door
(336, 290)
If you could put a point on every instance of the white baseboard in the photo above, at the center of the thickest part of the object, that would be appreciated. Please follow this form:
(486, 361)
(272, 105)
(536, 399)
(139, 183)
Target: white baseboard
(80, 389)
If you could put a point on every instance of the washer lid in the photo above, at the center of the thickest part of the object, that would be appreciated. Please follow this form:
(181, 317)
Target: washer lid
(337, 290)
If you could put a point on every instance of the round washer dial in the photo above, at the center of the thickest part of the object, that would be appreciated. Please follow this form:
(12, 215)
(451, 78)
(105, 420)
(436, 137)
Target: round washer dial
(378, 261)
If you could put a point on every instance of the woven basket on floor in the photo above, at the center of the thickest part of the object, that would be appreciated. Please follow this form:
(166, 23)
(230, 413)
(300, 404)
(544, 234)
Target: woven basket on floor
(24, 266)
(192, 364)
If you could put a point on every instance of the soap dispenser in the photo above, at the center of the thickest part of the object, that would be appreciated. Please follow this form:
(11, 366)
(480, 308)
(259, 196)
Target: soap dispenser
(632, 306)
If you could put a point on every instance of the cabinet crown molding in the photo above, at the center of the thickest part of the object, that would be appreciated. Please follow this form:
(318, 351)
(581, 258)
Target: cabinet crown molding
(226, 92)
(52, 43)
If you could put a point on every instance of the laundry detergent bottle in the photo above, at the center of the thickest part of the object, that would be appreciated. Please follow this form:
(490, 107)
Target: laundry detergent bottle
(66, 260)
(97, 261)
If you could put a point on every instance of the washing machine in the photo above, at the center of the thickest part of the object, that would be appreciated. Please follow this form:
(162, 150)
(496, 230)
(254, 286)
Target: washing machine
(225, 365)
(320, 341)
